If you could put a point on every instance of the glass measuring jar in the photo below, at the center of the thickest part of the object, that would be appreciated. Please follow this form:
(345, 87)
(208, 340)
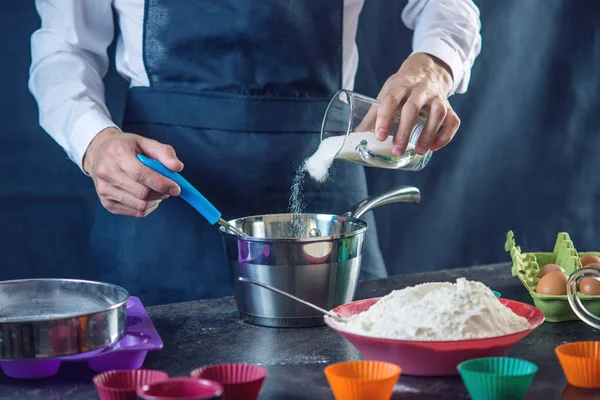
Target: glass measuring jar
(349, 123)
(575, 302)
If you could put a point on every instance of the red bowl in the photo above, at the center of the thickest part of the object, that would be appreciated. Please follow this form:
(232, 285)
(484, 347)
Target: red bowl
(432, 358)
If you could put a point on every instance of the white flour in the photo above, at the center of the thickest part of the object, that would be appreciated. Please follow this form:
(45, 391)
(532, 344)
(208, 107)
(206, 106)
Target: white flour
(438, 311)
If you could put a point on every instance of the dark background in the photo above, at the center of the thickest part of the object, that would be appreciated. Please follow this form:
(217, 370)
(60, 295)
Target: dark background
(539, 71)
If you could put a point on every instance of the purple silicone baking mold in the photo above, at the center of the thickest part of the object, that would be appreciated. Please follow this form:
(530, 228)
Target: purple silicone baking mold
(128, 353)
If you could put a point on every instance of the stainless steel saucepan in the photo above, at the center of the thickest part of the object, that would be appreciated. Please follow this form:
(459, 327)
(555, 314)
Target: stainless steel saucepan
(322, 266)
(316, 257)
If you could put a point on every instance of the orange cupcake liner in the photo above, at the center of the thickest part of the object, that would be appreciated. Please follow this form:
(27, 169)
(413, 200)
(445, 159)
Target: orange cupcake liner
(357, 380)
(580, 362)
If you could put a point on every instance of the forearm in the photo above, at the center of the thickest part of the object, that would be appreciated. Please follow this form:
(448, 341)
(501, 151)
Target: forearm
(448, 30)
(68, 64)
(71, 110)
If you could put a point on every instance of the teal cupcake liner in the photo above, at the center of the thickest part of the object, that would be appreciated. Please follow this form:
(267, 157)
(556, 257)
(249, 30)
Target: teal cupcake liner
(497, 378)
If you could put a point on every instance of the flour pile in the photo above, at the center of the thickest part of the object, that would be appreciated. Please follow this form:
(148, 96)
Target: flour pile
(438, 311)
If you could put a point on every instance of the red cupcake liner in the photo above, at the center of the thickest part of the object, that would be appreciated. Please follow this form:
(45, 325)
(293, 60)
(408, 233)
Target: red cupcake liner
(181, 388)
(239, 381)
(122, 384)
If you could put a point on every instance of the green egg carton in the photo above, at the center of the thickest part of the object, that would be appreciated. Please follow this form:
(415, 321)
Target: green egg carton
(526, 265)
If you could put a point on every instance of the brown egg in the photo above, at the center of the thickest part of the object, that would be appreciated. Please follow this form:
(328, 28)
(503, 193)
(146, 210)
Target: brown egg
(589, 286)
(553, 284)
(588, 259)
(549, 268)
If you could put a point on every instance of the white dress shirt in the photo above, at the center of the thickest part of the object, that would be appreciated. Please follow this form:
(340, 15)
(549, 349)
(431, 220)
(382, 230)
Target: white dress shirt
(69, 56)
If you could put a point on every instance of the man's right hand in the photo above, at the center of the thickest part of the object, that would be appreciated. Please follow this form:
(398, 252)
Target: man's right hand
(125, 185)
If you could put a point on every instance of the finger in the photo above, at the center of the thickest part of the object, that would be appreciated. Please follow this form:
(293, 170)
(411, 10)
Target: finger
(408, 116)
(437, 115)
(118, 201)
(115, 176)
(137, 171)
(138, 190)
(368, 122)
(121, 196)
(118, 208)
(161, 152)
(451, 125)
(386, 112)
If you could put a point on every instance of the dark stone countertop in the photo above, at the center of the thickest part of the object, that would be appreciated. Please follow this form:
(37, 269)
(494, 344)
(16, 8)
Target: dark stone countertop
(210, 332)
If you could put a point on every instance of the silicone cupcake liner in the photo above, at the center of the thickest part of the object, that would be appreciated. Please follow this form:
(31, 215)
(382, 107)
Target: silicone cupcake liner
(497, 378)
(123, 385)
(239, 381)
(580, 362)
(129, 353)
(354, 380)
(526, 265)
(181, 388)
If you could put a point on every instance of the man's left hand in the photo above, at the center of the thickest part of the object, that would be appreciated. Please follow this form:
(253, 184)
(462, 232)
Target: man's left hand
(421, 86)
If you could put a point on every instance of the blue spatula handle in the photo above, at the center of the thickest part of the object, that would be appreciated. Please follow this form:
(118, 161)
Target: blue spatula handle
(188, 192)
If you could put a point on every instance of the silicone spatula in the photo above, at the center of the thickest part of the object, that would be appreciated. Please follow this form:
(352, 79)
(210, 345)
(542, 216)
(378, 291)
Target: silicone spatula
(190, 194)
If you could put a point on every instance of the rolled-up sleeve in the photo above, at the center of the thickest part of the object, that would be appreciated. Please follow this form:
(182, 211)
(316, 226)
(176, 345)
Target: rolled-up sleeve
(448, 30)
(69, 61)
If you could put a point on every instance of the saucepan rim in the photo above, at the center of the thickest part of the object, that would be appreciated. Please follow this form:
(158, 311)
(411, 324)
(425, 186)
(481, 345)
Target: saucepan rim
(352, 220)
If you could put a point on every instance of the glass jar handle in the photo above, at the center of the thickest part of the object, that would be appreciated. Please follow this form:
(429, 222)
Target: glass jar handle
(574, 300)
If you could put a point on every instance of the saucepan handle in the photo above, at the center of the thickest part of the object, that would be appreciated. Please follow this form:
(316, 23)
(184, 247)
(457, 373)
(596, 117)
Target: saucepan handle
(574, 300)
(188, 192)
(403, 194)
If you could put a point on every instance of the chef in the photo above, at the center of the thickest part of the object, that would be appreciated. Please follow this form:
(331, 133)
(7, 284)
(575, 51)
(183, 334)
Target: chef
(235, 90)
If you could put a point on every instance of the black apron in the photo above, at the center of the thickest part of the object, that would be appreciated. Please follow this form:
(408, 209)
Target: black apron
(239, 89)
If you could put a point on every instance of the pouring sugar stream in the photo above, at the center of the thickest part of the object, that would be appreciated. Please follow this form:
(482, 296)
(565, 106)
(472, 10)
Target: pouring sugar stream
(335, 147)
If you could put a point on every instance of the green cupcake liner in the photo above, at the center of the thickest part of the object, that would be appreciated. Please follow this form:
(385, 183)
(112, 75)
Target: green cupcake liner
(497, 378)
